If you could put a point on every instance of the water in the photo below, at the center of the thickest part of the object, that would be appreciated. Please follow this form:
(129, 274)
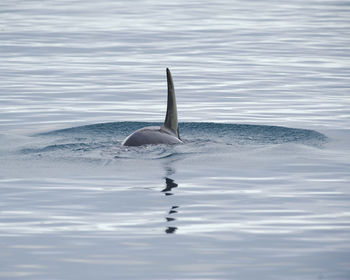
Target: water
(259, 190)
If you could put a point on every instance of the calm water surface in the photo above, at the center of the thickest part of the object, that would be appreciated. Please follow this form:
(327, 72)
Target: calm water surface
(259, 190)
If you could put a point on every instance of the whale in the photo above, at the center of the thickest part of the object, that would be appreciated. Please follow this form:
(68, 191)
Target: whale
(168, 133)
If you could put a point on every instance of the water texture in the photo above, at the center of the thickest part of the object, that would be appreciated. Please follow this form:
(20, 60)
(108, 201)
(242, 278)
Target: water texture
(258, 190)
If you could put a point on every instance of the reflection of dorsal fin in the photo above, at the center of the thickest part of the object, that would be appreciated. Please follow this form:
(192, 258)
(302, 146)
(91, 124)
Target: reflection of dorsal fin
(171, 112)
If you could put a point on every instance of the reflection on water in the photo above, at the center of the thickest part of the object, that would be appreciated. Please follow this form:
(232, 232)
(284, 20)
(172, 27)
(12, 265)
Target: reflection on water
(168, 190)
(171, 229)
(233, 218)
(170, 184)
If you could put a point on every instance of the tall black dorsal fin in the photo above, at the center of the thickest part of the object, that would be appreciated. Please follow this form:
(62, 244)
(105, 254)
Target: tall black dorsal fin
(171, 111)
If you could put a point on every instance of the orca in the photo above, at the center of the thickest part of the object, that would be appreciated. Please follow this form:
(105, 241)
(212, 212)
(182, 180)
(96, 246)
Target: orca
(168, 133)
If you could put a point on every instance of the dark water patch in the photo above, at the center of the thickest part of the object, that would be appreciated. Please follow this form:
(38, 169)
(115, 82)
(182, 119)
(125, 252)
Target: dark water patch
(251, 134)
(100, 129)
(200, 132)
(104, 140)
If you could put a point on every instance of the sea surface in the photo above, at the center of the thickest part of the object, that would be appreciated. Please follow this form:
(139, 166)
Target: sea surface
(260, 189)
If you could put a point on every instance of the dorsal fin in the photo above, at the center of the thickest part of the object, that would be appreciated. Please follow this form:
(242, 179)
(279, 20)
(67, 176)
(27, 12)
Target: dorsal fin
(171, 111)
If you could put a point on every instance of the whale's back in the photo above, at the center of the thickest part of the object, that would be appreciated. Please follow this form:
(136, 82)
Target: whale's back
(151, 135)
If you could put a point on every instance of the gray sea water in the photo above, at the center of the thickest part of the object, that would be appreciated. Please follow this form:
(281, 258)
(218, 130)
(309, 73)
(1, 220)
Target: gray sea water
(260, 189)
